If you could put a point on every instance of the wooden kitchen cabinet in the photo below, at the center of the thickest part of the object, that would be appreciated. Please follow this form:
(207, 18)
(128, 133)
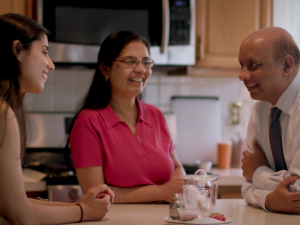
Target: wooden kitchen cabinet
(229, 192)
(221, 26)
(23, 7)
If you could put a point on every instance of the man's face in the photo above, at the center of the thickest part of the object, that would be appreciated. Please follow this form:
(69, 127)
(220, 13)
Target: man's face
(262, 76)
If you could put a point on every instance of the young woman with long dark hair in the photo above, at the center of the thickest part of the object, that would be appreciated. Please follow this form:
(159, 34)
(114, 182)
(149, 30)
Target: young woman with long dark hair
(25, 64)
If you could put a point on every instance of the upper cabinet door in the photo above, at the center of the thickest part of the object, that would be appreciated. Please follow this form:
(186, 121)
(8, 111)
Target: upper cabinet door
(221, 27)
(23, 7)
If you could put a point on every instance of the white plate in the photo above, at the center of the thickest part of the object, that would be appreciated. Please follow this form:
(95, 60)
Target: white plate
(203, 220)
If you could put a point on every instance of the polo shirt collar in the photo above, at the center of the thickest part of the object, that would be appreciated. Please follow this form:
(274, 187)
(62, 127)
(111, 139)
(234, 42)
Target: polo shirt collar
(143, 112)
(110, 118)
(289, 96)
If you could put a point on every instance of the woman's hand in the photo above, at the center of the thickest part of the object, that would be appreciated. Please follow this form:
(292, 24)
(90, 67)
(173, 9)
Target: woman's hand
(106, 191)
(173, 186)
(96, 202)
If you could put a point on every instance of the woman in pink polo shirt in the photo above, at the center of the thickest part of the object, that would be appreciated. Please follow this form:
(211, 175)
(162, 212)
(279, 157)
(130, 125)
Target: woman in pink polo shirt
(117, 139)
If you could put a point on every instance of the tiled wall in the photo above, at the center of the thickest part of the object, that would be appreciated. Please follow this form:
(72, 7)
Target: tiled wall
(65, 87)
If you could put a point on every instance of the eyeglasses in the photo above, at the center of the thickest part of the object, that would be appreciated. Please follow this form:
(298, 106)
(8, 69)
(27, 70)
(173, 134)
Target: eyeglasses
(132, 62)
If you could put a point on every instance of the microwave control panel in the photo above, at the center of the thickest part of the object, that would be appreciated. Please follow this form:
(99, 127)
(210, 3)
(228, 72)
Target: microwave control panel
(180, 22)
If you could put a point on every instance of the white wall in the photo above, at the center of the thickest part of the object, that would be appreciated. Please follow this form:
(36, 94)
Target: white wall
(65, 87)
(286, 15)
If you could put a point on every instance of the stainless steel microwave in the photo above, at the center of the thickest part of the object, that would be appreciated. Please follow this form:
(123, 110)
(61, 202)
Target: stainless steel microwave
(78, 27)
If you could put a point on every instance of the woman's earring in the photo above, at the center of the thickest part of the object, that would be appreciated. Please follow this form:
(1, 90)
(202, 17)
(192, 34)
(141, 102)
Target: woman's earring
(106, 78)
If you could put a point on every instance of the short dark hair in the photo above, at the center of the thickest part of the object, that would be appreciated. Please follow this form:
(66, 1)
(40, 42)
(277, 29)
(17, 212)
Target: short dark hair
(15, 27)
(285, 46)
(99, 94)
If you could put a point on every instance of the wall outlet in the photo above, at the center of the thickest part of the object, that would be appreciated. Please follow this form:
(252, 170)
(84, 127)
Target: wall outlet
(234, 114)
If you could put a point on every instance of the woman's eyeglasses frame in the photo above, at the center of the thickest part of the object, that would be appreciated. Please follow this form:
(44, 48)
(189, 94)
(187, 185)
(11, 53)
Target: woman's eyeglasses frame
(147, 63)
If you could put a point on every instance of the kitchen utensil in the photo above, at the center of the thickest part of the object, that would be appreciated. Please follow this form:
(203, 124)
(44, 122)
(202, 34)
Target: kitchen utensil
(186, 214)
(224, 155)
(174, 205)
(200, 191)
(198, 122)
(238, 146)
(205, 165)
(202, 221)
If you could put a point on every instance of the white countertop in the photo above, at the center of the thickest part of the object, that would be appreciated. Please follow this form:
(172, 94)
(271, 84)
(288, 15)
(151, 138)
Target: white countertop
(33, 180)
(153, 214)
(229, 177)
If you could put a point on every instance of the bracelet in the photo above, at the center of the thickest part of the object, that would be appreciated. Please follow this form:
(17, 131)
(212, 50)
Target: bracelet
(81, 213)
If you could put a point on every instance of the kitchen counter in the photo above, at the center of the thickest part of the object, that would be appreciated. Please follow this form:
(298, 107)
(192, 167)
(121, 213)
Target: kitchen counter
(33, 180)
(153, 214)
(229, 177)
(230, 182)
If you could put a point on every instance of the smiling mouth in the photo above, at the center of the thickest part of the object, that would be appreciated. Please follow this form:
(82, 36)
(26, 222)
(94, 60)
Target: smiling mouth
(136, 79)
(251, 85)
(44, 76)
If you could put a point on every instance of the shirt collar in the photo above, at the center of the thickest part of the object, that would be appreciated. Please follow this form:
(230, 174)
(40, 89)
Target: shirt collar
(289, 96)
(110, 118)
(142, 108)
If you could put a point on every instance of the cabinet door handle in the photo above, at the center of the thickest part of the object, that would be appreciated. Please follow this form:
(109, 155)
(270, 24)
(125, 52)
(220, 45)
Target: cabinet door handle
(198, 49)
(165, 26)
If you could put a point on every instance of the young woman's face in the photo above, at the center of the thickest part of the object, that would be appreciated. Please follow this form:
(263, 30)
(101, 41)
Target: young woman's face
(34, 66)
(129, 81)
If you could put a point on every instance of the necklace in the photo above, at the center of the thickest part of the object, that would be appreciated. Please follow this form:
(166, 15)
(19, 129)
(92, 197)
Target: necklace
(137, 136)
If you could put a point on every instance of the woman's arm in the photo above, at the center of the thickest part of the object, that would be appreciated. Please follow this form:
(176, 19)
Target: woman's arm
(14, 203)
(89, 176)
(179, 172)
(41, 202)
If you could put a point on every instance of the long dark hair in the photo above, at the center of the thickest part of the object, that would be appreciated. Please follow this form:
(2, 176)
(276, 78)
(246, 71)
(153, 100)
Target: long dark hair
(15, 27)
(99, 94)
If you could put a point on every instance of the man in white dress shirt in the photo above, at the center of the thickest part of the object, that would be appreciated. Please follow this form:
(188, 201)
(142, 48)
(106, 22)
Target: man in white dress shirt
(269, 61)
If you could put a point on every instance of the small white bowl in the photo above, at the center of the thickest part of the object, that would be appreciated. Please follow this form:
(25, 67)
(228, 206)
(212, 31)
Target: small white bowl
(205, 166)
(186, 214)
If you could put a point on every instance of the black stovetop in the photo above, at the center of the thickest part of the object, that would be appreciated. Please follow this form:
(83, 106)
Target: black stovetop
(50, 161)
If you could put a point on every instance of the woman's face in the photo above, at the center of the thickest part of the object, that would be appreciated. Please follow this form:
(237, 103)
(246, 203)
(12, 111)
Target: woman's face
(34, 66)
(125, 80)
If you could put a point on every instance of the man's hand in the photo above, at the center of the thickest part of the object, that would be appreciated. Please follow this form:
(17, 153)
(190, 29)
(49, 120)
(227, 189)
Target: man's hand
(282, 200)
(250, 162)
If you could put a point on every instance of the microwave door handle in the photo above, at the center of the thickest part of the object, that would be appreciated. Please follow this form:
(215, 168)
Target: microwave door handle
(165, 26)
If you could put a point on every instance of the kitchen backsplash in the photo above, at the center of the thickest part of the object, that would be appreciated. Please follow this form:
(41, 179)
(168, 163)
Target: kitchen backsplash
(65, 87)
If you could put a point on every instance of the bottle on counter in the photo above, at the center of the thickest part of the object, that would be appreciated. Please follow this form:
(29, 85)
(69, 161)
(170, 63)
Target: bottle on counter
(174, 205)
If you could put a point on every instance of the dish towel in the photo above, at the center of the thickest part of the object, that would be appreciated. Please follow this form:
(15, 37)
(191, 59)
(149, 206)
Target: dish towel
(275, 140)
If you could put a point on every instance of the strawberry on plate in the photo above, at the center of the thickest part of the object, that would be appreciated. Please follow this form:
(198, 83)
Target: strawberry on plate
(218, 216)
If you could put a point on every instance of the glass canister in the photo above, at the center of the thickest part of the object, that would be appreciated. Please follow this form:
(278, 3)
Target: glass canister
(200, 191)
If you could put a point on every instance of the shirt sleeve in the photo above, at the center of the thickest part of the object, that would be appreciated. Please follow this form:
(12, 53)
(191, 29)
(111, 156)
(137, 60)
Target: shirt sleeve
(85, 143)
(252, 194)
(265, 179)
(268, 179)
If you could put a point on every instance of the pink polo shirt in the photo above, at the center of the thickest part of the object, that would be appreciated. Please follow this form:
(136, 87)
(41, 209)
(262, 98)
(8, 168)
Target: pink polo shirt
(100, 138)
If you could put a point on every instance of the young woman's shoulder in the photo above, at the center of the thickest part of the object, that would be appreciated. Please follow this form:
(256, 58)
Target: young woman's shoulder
(6, 112)
(8, 121)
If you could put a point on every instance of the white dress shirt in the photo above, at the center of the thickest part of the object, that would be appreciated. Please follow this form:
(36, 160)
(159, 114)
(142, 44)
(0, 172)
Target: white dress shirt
(266, 179)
